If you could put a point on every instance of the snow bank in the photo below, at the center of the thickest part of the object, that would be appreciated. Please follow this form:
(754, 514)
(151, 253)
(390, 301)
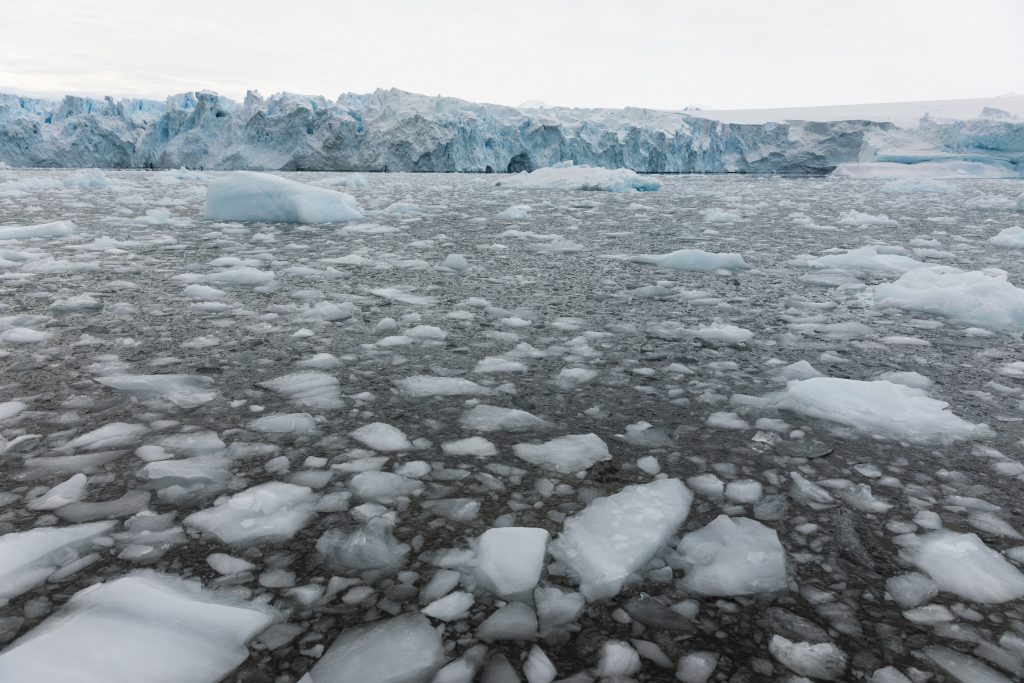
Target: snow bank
(616, 535)
(880, 408)
(25, 232)
(569, 177)
(733, 556)
(142, 627)
(692, 259)
(250, 196)
(983, 298)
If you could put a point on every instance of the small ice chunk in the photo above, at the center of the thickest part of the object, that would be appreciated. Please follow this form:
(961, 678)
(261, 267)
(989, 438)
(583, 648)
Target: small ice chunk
(382, 437)
(310, 388)
(41, 230)
(476, 446)
(186, 391)
(1009, 237)
(616, 535)
(60, 495)
(566, 176)
(227, 565)
(723, 334)
(696, 667)
(144, 626)
(424, 385)
(383, 487)
(565, 454)
(733, 556)
(617, 660)
(963, 564)
(511, 559)
(113, 435)
(403, 649)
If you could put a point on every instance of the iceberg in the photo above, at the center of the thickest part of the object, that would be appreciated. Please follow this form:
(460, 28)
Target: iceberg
(569, 177)
(250, 196)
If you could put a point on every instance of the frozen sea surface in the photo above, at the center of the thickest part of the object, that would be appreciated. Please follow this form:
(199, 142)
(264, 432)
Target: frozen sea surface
(317, 426)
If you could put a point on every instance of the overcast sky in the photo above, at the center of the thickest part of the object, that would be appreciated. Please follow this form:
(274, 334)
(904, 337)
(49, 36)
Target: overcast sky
(663, 54)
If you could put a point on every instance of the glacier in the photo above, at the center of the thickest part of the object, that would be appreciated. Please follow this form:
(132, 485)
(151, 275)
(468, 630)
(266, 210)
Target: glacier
(393, 130)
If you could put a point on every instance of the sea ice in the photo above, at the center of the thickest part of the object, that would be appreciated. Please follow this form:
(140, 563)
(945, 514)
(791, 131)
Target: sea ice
(879, 407)
(27, 558)
(733, 556)
(186, 391)
(24, 232)
(510, 559)
(1009, 237)
(250, 196)
(565, 454)
(963, 564)
(616, 535)
(692, 259)
(566, 176)
(983, 298)
(141, 627)
(487, 418)
(402, 649)
(424, 385)
(382, 437)
(265, 513)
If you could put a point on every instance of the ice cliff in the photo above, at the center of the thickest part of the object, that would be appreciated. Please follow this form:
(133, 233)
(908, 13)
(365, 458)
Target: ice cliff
(391, 130)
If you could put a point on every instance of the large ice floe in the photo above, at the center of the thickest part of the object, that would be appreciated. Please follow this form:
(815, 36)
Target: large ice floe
(249, 196)
(145, 626)
(879, 407)
(617, 534)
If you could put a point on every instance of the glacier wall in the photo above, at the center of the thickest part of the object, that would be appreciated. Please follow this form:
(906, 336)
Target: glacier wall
(391, 130)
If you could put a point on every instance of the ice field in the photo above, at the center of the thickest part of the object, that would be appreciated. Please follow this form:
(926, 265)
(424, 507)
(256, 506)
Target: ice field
(414, 427)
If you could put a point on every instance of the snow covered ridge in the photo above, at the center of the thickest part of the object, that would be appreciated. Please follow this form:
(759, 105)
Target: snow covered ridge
(398, 131)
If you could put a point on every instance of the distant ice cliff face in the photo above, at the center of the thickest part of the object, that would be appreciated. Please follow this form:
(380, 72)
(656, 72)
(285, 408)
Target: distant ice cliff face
(391, 130)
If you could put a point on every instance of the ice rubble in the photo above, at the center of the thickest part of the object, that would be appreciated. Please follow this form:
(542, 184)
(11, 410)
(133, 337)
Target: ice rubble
(144, 626)
(250, 196)
(565, 454)
(403, 649)
(984, 298)
(878, 407)
(963, 564)
(27, 558)
(616, 535)
(570, 177)
(733, 556)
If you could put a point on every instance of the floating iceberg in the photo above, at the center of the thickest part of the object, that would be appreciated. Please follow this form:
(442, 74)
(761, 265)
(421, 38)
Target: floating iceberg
(142, 627)
(616, 535)
(983, 298)
(250, 196)
(403, 649)
(570, 177)
(692, 259)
